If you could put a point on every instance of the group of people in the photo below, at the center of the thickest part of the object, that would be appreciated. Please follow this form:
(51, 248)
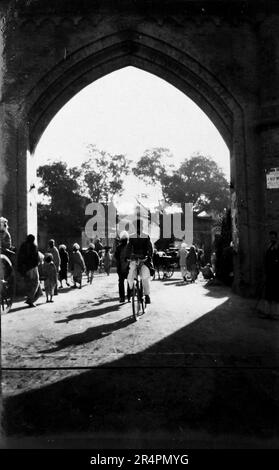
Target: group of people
(191, 262)
(53, 267)
(35, 267)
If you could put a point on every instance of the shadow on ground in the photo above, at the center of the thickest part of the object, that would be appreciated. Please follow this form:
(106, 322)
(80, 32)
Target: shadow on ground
(91, 334)
(129, 396)
(92, 313)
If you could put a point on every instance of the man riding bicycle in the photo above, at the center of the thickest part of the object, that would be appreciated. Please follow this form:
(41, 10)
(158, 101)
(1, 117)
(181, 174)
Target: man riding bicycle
(140, 247)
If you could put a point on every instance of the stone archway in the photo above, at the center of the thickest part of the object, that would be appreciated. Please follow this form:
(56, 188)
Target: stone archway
(101, 57)
(56, 53)
(116, 51)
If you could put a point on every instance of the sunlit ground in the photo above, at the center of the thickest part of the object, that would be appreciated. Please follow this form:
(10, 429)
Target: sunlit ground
(199, 369)
(89, 328)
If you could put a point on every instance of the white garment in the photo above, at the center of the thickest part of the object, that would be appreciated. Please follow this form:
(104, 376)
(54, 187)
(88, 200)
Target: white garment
(183, 271)
(144, 274)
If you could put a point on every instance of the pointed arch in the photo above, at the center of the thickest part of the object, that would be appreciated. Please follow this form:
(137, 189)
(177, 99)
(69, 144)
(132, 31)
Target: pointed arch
(113, 52)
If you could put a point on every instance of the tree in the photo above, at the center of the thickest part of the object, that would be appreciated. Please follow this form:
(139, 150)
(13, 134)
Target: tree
(202, 182)
(154, 165)
(198, 180)
(64, 213)
(52, 175)
(102, 174)
(69, 190)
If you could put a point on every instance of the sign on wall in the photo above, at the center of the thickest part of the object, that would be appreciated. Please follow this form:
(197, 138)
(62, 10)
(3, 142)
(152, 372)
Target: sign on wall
(272, 178)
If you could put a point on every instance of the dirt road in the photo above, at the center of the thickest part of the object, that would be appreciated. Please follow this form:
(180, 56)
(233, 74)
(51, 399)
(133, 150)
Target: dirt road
(198, 361)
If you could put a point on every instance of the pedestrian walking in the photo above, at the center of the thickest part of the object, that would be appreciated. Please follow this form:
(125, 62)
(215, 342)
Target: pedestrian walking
(64, 259)
(201, 258)
(27, 265)
(122, 265)
(5, 237)
(50, 276)
(107, 260)
(6, 247)
(92, 261)
(77, 265)
(191, 262)
(182, 261)
(98, 245)
(53, 250)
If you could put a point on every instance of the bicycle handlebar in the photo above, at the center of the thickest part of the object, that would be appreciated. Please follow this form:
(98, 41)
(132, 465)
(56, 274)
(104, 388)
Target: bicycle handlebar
(137, 258)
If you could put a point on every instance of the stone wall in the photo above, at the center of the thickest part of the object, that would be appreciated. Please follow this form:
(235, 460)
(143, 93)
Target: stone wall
(223, 55)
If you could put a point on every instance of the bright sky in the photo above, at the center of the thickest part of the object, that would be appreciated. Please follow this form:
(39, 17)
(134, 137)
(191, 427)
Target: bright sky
(129, 111)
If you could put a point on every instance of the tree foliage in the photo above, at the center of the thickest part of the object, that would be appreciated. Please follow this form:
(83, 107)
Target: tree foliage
(52, 175)
(68, 190)
(64, 214)
(102, 175)
(203, 183)
(154, 165)
(198, 180)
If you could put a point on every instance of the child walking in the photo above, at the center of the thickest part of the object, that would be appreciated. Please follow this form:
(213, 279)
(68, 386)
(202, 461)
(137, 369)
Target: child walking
(50, 276)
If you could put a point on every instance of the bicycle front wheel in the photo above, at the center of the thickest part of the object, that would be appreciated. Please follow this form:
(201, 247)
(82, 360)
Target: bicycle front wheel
(137, 300)
(135, 304)
(140, 298)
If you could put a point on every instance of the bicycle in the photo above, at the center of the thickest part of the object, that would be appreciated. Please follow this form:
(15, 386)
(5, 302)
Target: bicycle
(138, 303)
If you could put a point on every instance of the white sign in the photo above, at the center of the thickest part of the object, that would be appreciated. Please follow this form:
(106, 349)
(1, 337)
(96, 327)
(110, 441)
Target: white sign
(272, 178)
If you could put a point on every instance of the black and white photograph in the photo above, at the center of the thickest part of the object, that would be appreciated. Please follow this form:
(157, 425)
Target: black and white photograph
(139, 225)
